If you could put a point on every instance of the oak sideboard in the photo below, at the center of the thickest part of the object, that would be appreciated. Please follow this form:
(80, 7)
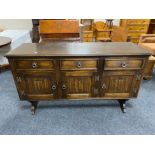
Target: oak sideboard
(47, 71)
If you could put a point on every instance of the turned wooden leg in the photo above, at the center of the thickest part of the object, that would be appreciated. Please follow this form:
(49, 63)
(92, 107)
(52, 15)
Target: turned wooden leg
(33, 106)
(122, 105)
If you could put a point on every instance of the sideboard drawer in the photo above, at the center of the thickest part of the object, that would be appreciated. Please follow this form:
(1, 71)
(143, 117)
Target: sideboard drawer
(123, 63)
(78, 64)
(138, 21)
(35, 64)
(137, 27)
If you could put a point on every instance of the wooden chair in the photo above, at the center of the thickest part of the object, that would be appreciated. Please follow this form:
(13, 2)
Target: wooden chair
(87, 34)
(102, 32)
(147, 41)
(119, 34)
(59, 30)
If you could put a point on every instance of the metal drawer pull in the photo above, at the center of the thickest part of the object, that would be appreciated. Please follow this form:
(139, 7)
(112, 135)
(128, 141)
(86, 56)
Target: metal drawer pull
(103, 86)
(63, 87)
(34, 65)
(54, 87)
(123, 65)
(78, 65)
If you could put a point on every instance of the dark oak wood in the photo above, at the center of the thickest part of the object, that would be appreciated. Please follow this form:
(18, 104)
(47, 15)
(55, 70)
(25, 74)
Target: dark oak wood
(35, 31)
(123, 105)
(33, 106)
(77, 49)
(48, 71)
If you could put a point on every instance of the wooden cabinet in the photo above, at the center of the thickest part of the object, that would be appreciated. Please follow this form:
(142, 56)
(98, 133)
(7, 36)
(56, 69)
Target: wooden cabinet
(37, 85)
(136, 27)
(87, 36)
(78, 84)
(78, 71)
(115, 84)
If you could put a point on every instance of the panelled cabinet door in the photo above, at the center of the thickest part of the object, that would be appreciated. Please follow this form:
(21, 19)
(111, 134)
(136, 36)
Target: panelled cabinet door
(37, 85)
(78, 84)
(118, 84)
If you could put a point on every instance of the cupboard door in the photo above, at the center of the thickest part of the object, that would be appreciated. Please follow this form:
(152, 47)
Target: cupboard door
(78, 84)
(116, 84)
(37, 85)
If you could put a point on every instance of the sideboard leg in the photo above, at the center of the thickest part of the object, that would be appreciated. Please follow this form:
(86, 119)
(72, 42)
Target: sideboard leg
(33, 107)
(123, 105)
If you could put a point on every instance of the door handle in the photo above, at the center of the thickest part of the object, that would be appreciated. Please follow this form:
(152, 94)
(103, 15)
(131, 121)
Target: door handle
(78, 65)
(34, 65)
(54, 87)
(124, 64)
(63, 87)
(104, 86)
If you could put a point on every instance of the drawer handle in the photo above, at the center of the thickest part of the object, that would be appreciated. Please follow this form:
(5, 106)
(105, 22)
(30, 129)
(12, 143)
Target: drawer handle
(63, 87)
(123, 65)
(103, 86)
(54, 87)
(34, 65)
(78, 65)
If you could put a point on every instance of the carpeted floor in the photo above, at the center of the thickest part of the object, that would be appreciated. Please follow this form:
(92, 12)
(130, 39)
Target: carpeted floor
(76, 117)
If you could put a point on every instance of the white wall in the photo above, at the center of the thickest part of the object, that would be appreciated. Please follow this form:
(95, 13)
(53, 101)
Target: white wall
(115, 21)
(16, 24)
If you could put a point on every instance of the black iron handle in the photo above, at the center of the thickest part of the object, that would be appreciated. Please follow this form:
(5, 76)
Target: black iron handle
(63, 87)
(34, 65)
(54, 87)
(78, 64)
(124, 64)
(103, 86)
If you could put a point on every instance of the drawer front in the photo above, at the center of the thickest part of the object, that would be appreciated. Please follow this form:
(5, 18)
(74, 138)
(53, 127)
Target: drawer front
(87, 39)
(137, 27)
(35, 64)
(87, 35)
(138, 21)
(135, 35)
(123, 63)
(78, 64)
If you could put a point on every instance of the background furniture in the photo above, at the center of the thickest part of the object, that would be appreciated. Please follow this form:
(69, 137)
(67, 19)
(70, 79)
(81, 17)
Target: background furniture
(78, 71)
(151, 29)
(4, 41)
(102, 31)
(136, 27)
(17, 38)
(147, 41)
(35, 31)
(87, 30)
(119, 34)
(4, 45)
(59, 30)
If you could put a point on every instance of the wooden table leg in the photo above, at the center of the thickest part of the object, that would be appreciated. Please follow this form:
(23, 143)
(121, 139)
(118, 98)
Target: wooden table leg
(122, 105)
(33, 107)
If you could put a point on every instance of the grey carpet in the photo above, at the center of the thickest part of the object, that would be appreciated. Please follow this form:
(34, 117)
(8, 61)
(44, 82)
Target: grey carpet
(76, 117)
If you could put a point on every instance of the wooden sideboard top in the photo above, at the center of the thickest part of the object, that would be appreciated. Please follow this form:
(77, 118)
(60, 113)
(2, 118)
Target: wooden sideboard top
(77, 49)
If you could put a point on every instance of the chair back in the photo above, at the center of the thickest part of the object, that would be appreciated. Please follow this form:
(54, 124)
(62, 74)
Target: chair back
(119, 34)
(100, 25)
